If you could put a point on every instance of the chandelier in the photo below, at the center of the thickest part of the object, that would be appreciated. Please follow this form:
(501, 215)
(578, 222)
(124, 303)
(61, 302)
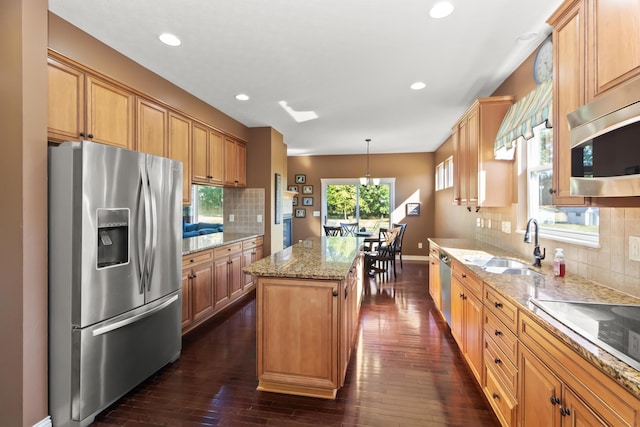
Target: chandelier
(366, 179)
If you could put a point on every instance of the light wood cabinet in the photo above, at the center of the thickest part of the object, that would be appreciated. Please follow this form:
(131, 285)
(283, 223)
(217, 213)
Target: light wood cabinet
(568, 91)
(434, 277)
(235, 165)
(560, 387)
(466, 317)
(613, 44)
(179, 148)
(85, 106)
(480, 179)
(197, 280)
(228, 273)
(208, 156)
(252, 251)
(151, 126)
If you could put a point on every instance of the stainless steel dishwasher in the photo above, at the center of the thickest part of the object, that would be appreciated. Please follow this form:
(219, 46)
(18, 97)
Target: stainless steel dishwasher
(445, 286)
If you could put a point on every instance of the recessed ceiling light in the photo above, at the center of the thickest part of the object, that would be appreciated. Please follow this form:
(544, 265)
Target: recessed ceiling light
(418, 86)
(242, 97)
(169, 39)
(441, 9)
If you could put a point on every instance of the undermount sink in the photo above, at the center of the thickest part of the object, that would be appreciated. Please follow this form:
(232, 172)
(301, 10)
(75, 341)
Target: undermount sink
(516, 271)
(503, 266)
(505, 262)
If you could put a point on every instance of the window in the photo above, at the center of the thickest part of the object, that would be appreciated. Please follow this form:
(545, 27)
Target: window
(444, 174)
(570, 224)
(346, 200)
(207, 204)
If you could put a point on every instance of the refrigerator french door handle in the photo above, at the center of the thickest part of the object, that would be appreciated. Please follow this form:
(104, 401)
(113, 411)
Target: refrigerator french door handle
(133, 319)
(154, 234)
(140, 248)
(147, 230)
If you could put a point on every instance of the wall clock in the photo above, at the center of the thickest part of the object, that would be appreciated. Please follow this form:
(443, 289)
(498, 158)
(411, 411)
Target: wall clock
(543, 63)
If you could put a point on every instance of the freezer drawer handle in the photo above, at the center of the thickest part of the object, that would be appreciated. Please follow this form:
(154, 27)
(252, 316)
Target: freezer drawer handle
(133, 319)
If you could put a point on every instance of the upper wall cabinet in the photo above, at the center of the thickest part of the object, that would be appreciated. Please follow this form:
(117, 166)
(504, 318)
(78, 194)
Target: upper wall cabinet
(179, 148)
(151, 126)
(235, 154)
(208, 156)
(568, 91)
(480, 179)
(613, 44)
(82, 106)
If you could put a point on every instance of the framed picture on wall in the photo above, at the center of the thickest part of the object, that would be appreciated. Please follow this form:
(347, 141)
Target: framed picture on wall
(294, 201)
(413, 209)
(307, 189)
(307, 201)
(301, 213)
(301, 179)
(293, 188)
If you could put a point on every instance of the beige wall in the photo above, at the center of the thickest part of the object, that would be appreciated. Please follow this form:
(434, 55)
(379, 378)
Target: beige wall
(609, 264)
(23, 217)
(414, 173)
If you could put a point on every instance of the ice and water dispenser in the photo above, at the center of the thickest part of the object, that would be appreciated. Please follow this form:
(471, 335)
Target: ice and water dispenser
(113, 237)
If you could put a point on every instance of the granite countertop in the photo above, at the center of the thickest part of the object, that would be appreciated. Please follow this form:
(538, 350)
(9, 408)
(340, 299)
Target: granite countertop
(521, 289)
(325, 257)
(210, 241)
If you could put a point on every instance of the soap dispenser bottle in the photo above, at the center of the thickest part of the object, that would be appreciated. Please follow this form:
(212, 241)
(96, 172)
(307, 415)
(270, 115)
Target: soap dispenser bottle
(558, 263)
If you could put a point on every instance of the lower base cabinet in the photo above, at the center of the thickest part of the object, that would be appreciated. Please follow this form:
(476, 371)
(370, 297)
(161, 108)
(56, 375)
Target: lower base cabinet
(212, 279)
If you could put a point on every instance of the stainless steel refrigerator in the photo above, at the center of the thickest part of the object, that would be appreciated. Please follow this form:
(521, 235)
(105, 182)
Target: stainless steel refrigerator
(114, 274)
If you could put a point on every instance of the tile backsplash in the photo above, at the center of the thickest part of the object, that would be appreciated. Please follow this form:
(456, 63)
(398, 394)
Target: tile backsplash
(608, 265)
(246, 205)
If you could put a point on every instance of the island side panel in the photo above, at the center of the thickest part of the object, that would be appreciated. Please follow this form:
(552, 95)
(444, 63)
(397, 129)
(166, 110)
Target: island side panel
(297, 342)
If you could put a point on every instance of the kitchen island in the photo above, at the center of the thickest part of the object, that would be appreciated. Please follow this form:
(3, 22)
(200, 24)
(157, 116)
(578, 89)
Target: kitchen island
(308, 300)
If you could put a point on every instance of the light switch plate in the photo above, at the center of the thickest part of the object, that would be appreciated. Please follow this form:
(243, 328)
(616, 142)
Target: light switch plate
(259, 219)
(232, 217)
(634, 248)
(316, 213)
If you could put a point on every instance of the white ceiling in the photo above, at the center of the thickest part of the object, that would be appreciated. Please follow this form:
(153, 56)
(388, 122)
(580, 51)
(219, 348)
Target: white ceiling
(350, 61)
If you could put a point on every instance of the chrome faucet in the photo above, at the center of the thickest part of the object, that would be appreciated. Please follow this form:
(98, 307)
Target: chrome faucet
(537, 256)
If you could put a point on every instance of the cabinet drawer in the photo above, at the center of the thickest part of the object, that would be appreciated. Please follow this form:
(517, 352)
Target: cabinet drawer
(503, 404)
(228, 249)
(503, 368)
(470, 281)
(251, 243)
(196, 258)
(503, 309)
(501, 335)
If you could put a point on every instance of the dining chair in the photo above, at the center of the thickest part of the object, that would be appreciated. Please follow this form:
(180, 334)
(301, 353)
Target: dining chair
(386, 255)
(349, 229)
(398, 245)
(332, 230)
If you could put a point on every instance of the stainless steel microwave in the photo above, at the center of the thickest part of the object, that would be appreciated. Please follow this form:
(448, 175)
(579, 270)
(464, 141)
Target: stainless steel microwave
(605, 145)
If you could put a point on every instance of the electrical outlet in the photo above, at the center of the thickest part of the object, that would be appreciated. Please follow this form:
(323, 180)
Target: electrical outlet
(506, 227)
(259, 219)
(634, 248)
(477, 222)
(232, 217)
(419, 245)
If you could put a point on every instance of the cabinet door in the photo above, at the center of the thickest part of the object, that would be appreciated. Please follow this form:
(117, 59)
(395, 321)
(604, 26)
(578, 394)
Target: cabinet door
(613, 41)
(473, 157)
(202, 291)
(216, 157)
(65, 102)
(576, 412)
(457, 169)
(180, 149)
(463, 162)
(457, 311)
(230, 162)
(473, 334)
(152, 128)
(434, 281)
(241, 164)
(110, 113)
(540, 393)
(222, 291)
(235, 275)
(568, 95)
(200, 154)
(186, 298)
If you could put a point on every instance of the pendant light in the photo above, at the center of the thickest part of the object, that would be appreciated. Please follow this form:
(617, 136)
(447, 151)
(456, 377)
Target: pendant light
(366, 179)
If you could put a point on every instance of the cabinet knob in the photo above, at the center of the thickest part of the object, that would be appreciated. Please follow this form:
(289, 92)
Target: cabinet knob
(464, 276)
(552, 191)
(495, 395)
(497, 361)
(565, 412)
(334, 293)
(498, 304)
(461, 295)
(192, 260)
(498, 333)
(209, 177)
(194, 276)
(554, 400)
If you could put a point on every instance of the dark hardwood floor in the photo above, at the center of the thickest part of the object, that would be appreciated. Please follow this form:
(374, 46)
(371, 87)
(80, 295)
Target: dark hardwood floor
(405, 371)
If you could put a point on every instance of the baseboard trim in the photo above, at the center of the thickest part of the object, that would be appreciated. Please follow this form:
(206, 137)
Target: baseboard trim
(422, 258)
(44, 423)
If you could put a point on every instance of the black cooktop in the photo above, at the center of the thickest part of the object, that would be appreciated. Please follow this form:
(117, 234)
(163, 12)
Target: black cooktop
(614, 327)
